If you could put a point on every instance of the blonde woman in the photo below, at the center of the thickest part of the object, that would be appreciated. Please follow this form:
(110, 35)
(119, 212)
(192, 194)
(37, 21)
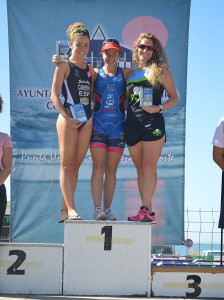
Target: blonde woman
(74, 78)
(145, 126)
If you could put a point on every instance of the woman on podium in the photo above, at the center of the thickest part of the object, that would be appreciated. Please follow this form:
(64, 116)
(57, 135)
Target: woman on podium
(107, 140)
(145, 126)
(74, 124)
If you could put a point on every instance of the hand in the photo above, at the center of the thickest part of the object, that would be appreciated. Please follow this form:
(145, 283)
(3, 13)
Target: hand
(72, 123)
(165, 68)
(152, 109)
(56, 59)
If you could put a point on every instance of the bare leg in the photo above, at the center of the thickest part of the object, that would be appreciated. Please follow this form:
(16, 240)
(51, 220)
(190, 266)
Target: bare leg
(98, 169)
(67, 141)
(64, 211)
(73, 148)
(145, 156)
(113, 159)
(136, 153)
(151, 153)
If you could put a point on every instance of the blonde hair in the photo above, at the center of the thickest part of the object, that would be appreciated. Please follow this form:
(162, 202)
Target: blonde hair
(157, 63)
(71, 29)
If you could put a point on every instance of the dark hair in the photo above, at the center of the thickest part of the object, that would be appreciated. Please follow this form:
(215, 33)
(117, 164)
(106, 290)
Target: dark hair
(111, 41)
(1, 102)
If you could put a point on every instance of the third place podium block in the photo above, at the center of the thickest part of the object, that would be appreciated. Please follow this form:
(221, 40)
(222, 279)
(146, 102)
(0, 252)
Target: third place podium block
(107, 258)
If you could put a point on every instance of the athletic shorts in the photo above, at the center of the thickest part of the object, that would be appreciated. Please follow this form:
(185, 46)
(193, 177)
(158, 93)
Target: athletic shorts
(108, 136)
(149, 130)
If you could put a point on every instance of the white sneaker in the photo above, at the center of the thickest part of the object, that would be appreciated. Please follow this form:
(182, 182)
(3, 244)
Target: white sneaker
(99, 215)
(109, 215)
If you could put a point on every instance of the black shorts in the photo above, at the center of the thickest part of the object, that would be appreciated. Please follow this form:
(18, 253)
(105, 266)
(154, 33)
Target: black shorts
(152, 129)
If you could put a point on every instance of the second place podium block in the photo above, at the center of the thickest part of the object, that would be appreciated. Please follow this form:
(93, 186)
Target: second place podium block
(107, 258)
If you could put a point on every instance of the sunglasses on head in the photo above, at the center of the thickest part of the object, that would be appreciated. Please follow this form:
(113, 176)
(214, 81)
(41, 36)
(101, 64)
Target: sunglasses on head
(82, 30)
(111, 41)
(149, 48)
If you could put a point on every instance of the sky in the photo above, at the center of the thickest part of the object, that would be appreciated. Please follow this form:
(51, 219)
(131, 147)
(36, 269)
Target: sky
(205, 103)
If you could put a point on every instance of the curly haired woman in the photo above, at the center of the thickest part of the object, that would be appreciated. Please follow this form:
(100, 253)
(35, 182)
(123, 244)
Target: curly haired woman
(145, 126)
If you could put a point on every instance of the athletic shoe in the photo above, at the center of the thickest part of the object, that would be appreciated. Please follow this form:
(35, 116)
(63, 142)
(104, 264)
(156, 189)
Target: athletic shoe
(109, 215)
(99, 215)
(143, 216)
(152, 216)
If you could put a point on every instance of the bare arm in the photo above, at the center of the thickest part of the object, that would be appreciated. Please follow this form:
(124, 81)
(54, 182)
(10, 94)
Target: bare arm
(126, 72)
(94, 74)
(7, 165)
(169, 86)
(96, 71)
(218, 156)
(61, 73)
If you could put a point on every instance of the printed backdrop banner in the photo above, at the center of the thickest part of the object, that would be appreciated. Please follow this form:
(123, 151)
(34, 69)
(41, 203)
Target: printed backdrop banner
(34, 27)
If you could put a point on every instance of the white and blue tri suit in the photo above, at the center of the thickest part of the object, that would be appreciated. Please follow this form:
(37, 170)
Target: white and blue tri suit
(108, 115)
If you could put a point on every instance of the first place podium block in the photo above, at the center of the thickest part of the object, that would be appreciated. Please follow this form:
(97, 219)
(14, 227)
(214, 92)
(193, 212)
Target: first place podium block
(107, 258)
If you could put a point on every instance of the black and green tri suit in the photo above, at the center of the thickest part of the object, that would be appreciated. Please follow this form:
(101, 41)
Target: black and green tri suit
(141, 125)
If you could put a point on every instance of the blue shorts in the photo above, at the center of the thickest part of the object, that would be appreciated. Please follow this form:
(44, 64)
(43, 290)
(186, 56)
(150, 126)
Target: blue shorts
(109, 136)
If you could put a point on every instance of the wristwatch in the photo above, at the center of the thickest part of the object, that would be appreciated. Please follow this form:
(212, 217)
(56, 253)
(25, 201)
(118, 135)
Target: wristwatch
(161, 109)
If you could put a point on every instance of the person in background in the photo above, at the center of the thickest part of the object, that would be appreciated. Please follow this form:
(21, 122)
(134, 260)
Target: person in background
(218, 157)
(5, 168)
(145, 127)
(74, 78)
(218, 144)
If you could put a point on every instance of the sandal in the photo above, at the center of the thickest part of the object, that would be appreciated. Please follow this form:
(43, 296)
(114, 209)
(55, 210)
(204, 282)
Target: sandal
(74, 217)
(64, 215)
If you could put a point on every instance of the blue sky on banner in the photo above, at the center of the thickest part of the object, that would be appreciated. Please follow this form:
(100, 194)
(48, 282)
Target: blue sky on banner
(204, 99)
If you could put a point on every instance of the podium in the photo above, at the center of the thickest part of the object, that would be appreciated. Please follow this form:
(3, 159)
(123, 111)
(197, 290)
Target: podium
(31, 268)
(98, 258)
(107, 258)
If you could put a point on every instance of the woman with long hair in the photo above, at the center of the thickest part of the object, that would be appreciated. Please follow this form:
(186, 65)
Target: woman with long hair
(145, 126)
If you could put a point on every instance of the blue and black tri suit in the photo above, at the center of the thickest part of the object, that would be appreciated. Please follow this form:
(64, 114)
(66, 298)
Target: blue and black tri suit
(76, 89)
(108, 115)
(141, 125)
